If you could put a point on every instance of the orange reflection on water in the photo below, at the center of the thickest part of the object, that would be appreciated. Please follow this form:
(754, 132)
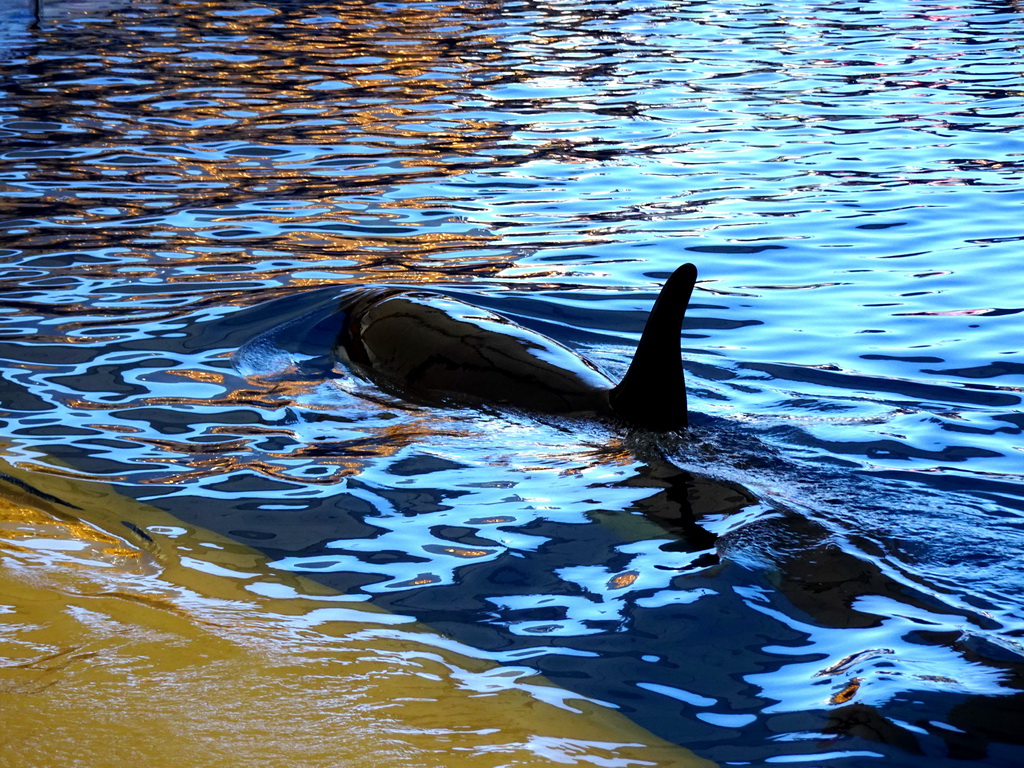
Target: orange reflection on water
(207, 656)
(623, 580)
(845, 695)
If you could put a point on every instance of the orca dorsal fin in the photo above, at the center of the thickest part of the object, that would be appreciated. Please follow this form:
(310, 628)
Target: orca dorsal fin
(652, 394)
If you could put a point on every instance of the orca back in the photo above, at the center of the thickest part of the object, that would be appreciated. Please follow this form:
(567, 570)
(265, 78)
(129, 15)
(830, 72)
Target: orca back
(431, 348)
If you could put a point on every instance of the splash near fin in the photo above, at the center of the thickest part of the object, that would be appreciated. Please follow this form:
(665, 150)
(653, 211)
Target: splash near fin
(652, 394)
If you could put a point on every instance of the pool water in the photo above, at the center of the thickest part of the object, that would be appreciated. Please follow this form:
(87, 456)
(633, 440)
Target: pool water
(825, 569)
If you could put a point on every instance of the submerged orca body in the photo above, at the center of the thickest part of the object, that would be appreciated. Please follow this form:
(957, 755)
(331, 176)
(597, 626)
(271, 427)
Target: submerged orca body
(431, 348)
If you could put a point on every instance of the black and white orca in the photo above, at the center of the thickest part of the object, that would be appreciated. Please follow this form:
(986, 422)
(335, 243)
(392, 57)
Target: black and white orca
(430, 348)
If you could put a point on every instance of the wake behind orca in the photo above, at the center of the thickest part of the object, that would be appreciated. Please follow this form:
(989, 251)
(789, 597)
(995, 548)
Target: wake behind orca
(430, 348)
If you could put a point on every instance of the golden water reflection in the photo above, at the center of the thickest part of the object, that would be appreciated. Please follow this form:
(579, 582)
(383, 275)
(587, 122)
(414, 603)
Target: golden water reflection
(184, 649)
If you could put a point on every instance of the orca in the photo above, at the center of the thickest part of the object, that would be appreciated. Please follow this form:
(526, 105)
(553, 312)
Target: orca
(430, 348)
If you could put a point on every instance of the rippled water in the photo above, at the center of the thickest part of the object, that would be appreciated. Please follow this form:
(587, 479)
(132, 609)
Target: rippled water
(825, 569)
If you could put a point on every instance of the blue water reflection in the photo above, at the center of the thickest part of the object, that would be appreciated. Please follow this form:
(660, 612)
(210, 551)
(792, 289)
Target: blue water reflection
(826, 569)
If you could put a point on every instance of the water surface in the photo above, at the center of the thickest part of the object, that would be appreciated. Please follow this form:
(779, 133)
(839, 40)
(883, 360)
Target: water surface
(826, 569)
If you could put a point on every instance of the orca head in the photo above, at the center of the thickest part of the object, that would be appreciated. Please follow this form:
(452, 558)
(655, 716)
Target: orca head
(652, 394)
